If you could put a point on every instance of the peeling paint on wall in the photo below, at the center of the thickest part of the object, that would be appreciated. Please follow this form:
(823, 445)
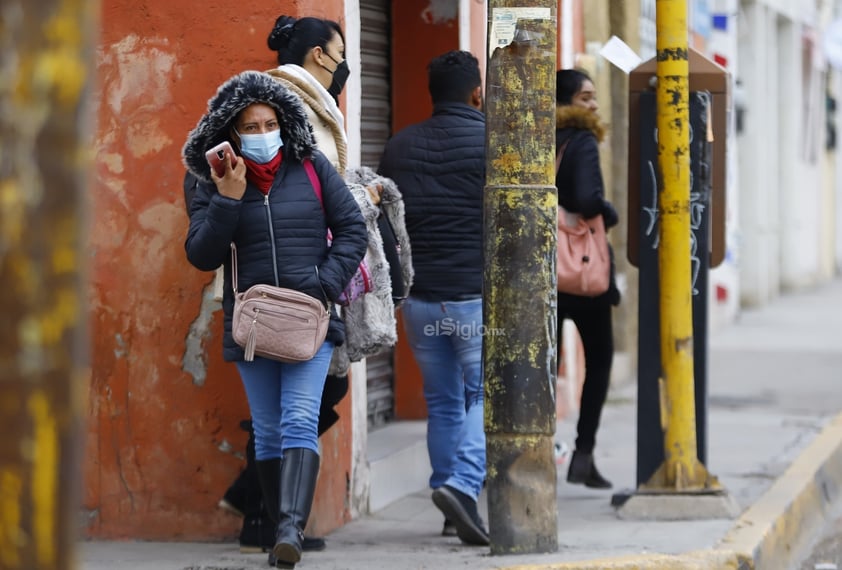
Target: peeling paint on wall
(160, 222)
(440, 12)
(195, 361)
(146, 138)
(144, 71)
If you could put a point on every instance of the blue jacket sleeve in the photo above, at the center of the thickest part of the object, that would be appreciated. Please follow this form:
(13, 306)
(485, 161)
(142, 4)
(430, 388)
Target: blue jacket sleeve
(213, 219)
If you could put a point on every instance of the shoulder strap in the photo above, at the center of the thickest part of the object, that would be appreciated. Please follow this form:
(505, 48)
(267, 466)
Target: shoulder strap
(317, 189)
(234, 268)
(560, 154)
(314, 180)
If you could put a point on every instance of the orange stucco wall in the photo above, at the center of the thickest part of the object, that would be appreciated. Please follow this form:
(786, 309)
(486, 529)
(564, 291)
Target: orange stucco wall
(421, 30)
(163, 441)
(438, 25)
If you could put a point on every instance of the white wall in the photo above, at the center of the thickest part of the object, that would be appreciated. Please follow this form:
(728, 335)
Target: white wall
(359, 483)
(835, 209)
(837, 186)
(786, 184)
(797, 10)
(797, 161)
(758, 187)
(724, 289)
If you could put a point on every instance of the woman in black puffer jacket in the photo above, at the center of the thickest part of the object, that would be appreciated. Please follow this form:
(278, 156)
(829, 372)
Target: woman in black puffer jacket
(265, 204)
(581, 191)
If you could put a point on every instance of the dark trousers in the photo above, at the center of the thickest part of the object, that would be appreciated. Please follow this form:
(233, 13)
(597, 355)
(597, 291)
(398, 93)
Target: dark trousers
(592, 318)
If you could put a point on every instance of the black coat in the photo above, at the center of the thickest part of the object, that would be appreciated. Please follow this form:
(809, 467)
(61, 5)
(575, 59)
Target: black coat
(439, 166)
(280, 237)
(579, 182)
(579, 177)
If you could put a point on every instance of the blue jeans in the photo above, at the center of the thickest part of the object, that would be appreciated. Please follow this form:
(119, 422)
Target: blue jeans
(446, 340)
(284, 401)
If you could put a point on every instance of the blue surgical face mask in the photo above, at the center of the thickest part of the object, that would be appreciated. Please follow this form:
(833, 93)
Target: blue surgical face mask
(262, 147)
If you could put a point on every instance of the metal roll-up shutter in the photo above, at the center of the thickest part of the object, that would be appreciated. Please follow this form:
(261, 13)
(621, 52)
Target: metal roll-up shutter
(376, 120)
(375, 123)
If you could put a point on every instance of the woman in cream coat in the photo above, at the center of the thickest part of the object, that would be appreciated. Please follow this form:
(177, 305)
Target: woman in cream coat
(312, 64)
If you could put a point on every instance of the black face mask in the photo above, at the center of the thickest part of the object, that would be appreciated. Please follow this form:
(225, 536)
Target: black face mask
(340, 76)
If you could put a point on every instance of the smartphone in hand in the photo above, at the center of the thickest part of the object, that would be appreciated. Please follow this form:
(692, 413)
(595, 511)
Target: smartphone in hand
(216, 157)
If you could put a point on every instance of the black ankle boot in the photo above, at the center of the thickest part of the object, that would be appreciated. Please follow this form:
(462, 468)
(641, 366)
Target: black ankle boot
(257, 534)
(583, 471)
(299, 471)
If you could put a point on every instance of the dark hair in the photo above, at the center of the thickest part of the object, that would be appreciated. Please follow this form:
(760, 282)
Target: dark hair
(453, 76)
(568, 82)
(293, 38)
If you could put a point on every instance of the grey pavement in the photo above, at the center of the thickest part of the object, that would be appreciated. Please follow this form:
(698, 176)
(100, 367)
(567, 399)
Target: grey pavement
(775, 383)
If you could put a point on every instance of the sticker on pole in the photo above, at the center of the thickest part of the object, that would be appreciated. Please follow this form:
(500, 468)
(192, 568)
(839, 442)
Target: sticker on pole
(504, 24)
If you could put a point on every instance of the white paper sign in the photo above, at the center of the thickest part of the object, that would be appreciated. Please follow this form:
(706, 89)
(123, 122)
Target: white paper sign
(504, 22)
(620, 54)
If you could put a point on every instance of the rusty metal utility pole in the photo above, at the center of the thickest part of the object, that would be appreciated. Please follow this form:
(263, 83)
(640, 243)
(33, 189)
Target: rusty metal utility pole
(520, 217)
(46, 65)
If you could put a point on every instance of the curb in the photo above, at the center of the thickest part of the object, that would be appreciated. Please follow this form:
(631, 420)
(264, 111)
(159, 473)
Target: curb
(700, 560)
(772, 533)
(779, 526)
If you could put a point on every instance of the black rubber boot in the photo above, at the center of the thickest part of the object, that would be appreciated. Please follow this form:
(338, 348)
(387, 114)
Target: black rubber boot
(583, 470)
(269, 474)
(299, 471)
(270, 471)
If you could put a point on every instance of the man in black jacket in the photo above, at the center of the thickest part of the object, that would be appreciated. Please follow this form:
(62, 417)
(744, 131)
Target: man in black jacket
(439, 166)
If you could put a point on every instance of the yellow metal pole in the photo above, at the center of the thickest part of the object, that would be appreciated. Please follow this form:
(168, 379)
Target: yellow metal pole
(681, 470)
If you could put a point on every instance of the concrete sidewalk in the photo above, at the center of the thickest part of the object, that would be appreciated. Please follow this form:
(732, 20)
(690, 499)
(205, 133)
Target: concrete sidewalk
(775, 443)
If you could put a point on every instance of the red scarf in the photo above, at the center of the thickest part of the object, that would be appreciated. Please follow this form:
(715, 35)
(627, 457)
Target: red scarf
(262, 175)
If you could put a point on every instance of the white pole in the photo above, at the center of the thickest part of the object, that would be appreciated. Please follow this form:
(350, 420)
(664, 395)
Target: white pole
(567, 56)
(465, 25)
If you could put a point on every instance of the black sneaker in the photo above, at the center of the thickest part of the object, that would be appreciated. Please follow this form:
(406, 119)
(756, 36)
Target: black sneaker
(462, 511)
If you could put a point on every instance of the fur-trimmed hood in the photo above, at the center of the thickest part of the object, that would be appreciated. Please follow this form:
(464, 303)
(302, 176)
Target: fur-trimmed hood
(233, 96)
(573, 117)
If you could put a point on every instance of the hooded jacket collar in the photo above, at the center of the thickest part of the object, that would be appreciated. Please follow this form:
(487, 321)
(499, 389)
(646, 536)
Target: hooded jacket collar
(233, 96)
(573, 117)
